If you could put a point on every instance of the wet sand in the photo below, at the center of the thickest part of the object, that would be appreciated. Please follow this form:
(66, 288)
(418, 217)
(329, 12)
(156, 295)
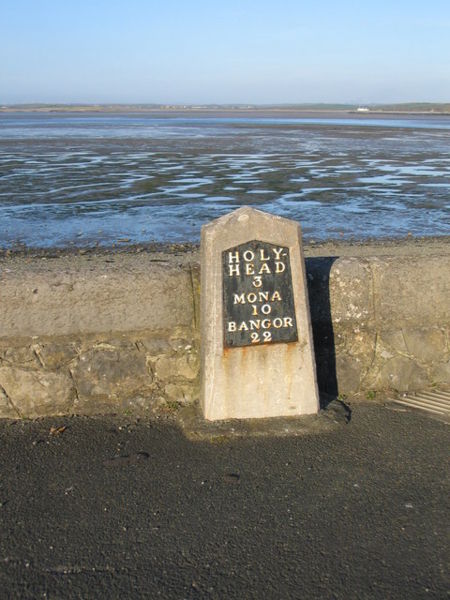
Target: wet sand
(85, 179)
(185, 254)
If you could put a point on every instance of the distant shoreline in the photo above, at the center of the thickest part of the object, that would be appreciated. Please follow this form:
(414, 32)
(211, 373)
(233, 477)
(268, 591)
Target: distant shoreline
(290, 111)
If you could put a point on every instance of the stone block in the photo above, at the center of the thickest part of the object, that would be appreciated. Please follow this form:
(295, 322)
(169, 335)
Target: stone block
(181, 392)
(106, 373)
(350, 288)
(355, 350)
(402, 374)
(37, 393)
(182, 344)
(349, 373)
(54, 355)
(71, 296)
(155, 346)
(440, 372)
(7, 411)
(179, 365)
(22, 355)
(392, 342)
(426, 345)
(411, 291)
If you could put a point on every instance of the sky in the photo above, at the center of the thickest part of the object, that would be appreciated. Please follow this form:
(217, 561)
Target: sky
(228, 51)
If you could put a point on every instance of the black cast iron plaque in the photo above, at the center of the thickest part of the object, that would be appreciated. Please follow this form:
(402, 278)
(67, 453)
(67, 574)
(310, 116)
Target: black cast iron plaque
(258, 299)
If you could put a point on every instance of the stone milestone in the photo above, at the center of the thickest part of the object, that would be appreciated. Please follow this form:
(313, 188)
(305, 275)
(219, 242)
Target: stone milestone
(257, 349)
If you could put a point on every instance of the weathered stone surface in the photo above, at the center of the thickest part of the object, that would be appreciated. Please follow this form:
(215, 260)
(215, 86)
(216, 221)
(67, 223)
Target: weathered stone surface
(427, 345)
(407, 290)
(379, 321)
(54, 355)
(349, 373)
(7, 411)
(181, 392)
(440, 372)
(392, 342)
(350, 292)
(355, 351)
(402, 374)
(180, 365)
(37, 393)
(155, 346)
(106, 372)
(80, 297)
(181, 344)
(356, 342)
(22, 355)
(265, 379)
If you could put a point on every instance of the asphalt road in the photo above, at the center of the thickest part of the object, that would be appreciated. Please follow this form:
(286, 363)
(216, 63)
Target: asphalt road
(114, 508)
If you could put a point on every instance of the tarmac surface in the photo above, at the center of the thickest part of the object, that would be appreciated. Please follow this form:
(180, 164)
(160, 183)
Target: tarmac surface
(117, 507)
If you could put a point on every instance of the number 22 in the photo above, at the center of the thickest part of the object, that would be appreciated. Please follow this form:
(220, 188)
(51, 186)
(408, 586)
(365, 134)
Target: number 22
(267, 337)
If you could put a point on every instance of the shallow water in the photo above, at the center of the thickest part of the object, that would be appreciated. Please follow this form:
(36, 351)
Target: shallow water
(88, 179)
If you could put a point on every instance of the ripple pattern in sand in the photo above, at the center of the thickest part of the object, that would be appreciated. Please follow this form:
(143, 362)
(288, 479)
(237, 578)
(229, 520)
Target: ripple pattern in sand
(337, 181)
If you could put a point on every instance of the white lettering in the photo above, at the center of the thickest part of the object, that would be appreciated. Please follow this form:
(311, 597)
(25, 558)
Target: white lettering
(277, 252)
(266, 309)
(233, 257)
(260, 296)
(233, 270)
(261, 255)
(248, 256)
(279, 266)
(264, 269)
(249, 269)
(257, 324)
(267, 336)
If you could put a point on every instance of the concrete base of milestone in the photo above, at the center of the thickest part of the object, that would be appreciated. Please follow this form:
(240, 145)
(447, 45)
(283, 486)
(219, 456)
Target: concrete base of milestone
(335, 414)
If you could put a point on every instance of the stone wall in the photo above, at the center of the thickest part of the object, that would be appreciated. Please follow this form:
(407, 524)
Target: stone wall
(112, 332)
(385, 325)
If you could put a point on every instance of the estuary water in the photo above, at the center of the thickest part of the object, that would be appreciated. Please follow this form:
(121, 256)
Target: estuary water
(85, 179)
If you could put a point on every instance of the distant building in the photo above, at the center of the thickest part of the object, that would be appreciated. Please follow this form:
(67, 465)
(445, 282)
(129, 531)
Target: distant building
(362, 109)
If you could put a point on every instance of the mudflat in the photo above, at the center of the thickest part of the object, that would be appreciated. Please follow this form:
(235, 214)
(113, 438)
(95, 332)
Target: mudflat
(99, 179)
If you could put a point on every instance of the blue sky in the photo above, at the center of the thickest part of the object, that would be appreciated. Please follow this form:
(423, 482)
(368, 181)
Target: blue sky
(198, 51)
